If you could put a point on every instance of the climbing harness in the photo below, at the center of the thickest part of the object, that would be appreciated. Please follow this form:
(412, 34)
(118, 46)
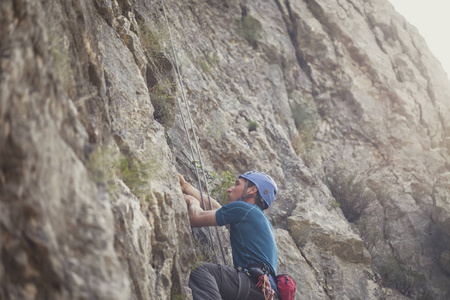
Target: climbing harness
(244, 286)
(260, 274)
(180, 82)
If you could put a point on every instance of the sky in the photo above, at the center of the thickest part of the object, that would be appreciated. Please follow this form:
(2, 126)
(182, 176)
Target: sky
(431, 19)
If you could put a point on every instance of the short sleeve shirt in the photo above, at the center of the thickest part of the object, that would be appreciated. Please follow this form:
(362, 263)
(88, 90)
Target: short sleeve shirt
(251, 234)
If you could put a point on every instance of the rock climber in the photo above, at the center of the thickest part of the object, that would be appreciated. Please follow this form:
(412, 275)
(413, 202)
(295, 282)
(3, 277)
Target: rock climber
(255, 253)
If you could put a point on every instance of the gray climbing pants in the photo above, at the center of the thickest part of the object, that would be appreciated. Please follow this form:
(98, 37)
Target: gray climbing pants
(215, 282)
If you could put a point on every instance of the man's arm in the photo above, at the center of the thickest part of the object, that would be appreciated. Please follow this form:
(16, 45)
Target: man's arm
(197, 216)
(188, 189)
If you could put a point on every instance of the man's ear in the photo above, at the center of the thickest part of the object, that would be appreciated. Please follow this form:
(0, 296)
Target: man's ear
(252, 190)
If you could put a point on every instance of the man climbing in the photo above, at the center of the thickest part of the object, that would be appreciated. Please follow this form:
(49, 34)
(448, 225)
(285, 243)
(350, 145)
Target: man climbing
(254, 249)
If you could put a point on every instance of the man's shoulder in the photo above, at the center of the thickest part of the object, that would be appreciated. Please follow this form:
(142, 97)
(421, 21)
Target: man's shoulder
(233, 212)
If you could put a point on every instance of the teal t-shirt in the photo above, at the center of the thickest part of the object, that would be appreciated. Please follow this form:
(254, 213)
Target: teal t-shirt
(251, 235)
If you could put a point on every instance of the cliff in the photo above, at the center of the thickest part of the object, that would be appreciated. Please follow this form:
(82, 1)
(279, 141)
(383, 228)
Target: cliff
(340, 101)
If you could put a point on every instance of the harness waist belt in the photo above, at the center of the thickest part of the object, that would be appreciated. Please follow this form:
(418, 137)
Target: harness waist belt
(258, 269)
(244, 286)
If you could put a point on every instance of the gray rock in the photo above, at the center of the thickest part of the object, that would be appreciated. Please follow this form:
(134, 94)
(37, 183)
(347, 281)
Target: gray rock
(92, 138)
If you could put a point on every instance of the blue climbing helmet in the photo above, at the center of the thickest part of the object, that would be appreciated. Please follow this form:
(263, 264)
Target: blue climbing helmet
(267, 187)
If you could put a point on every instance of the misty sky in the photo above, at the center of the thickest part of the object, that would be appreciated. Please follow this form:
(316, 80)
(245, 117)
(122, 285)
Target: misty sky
(431, 19)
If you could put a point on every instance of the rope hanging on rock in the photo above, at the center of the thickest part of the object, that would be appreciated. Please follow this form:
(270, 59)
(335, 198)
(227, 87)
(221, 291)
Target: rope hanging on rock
(180, 82)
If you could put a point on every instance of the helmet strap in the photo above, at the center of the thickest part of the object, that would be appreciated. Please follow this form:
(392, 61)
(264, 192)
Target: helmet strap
(244, 194)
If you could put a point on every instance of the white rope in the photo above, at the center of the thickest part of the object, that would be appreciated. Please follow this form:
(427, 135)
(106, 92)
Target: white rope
(180, 81)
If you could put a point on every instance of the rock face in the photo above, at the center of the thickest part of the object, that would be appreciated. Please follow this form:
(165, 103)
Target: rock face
(92, 138)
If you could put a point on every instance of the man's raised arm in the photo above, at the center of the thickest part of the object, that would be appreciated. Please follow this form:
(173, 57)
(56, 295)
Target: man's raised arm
(197, 216)
(188, 189)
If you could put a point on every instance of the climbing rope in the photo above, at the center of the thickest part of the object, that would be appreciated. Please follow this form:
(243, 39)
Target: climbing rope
(180, 82)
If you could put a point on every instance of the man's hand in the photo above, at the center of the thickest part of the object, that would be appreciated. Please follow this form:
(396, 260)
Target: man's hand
(191, 200)
(183, 183)
(197, 216)
(189, 190)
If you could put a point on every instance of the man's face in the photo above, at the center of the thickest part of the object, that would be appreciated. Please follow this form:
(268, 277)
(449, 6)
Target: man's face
(236, 191)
